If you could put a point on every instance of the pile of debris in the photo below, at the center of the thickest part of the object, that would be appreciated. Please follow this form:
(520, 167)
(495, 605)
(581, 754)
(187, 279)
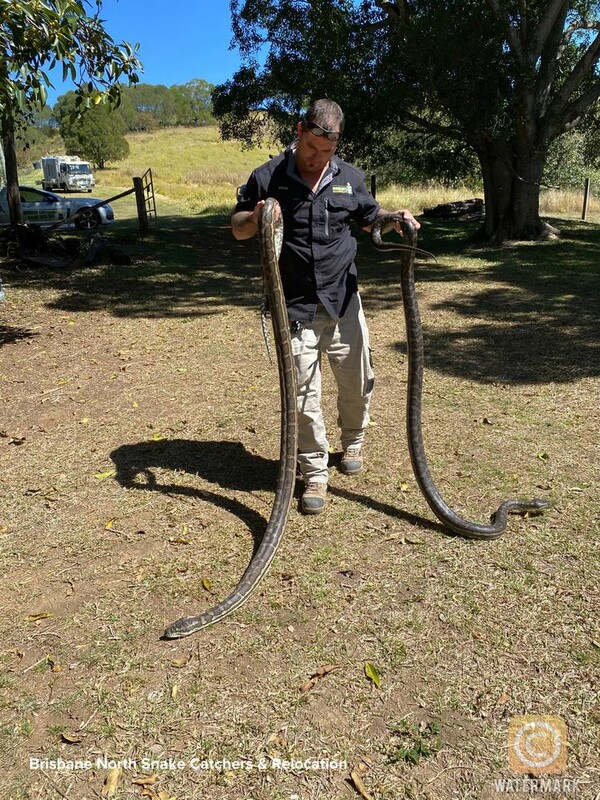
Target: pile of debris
(462, 209)
(32, 246)
(24, 246)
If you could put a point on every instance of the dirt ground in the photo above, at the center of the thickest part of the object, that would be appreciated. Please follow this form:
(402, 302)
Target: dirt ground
(139, 423)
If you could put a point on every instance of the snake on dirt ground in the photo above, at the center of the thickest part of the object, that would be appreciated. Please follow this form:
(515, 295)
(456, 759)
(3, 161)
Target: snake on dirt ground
(414, 339)
(270, 235)
(270, 239)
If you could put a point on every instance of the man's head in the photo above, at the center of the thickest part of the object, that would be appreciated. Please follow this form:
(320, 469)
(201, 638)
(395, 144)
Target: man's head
(325, 118)
(318, 135)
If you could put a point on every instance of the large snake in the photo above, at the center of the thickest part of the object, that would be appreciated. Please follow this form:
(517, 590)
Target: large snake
(414, 338)
(270, 240)
(270, 235)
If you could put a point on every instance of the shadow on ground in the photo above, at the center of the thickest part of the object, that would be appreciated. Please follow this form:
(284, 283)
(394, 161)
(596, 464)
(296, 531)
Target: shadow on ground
(184, 267)
(228, 465)
(530, 312)
(12, 333)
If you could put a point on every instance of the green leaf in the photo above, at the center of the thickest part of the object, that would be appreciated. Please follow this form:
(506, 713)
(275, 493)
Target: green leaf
(103, 475)
(372, 674)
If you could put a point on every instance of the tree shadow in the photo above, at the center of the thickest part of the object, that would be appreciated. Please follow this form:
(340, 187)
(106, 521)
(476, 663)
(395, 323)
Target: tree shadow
(12, 333)
(541, 325)
(183, 267)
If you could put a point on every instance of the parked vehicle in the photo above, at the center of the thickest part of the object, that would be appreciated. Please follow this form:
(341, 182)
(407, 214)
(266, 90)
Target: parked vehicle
(45, 208)
(66, 173)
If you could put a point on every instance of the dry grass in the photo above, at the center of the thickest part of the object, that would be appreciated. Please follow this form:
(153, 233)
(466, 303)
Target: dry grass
(138, 448)
(195, 170)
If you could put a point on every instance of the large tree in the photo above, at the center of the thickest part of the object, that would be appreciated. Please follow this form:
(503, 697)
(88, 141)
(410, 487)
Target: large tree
(500, 78)
(36, 36)
(97, 136)
(194, 102)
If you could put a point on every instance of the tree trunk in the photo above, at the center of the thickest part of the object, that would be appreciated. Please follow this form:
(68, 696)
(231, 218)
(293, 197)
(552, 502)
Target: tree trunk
(512, 196)
(13, 195)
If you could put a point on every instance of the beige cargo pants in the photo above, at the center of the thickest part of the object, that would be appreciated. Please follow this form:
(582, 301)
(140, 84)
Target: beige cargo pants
(346, 344)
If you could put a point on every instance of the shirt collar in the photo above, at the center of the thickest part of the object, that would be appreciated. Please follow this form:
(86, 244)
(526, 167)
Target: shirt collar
(334, 166)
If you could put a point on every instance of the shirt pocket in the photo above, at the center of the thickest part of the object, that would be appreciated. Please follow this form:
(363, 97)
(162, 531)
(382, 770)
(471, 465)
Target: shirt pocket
(339, 209)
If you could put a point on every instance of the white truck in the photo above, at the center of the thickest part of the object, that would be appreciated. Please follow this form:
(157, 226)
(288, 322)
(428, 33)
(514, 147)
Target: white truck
(66, 173)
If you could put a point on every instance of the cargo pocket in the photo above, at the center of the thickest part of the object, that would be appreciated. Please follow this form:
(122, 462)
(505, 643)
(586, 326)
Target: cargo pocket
(369, 373)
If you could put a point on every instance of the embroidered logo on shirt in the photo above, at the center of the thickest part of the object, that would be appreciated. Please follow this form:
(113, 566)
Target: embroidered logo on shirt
(347, 189)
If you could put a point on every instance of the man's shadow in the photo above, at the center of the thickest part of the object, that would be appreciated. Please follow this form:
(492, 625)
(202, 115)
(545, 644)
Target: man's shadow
(228, 465)
(225, 464)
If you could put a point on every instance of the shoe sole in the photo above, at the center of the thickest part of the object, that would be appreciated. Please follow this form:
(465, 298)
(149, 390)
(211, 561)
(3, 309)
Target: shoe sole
(347, 471)
(312, 511)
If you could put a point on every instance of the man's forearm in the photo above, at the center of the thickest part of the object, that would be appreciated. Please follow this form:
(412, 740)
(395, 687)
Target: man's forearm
(244, 224)
(404, 214)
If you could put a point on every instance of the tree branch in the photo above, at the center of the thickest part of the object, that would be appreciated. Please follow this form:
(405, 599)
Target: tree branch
(573, 111)
(435, 127)
(512, 34)
(556, 13)
(583, 68)
(549, 51)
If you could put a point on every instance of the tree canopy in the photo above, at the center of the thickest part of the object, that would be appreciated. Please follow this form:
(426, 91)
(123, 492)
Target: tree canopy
(35, 37)
(97, 136)
(146, 106)
(431, 80)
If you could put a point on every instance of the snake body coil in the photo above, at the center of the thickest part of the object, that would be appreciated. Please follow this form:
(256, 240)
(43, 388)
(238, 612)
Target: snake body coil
(414, 338)
(270, 234)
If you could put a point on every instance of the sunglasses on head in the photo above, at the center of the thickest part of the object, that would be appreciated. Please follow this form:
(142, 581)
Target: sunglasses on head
(318, 130)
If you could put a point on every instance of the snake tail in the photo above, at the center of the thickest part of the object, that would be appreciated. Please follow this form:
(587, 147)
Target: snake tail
(270, 239)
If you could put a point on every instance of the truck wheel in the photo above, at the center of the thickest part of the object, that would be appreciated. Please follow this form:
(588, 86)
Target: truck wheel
(87, 219)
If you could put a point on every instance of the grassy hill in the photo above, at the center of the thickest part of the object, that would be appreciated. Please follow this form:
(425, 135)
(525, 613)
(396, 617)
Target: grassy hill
(194, 172)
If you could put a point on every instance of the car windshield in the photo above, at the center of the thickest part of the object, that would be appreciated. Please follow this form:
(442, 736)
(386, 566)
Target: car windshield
(79, 169)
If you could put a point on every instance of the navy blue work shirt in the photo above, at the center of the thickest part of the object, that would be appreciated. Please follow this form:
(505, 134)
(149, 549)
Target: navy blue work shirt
(317, 257)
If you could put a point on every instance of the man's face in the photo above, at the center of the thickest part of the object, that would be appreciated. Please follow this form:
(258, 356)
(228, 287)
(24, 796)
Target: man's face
(313, 152)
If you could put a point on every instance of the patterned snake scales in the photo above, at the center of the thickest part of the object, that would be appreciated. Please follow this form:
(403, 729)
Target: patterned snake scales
(270, 239)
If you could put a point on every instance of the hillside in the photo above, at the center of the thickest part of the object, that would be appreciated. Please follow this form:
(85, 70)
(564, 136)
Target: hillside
(195, 172)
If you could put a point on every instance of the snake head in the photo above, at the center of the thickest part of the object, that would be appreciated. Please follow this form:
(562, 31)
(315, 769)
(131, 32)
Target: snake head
(409, 235)
(387, 221)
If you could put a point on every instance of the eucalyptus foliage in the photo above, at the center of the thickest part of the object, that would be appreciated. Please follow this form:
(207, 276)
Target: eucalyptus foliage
(97, 136)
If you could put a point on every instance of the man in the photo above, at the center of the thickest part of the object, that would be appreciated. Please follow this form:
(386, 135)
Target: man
(320, 195)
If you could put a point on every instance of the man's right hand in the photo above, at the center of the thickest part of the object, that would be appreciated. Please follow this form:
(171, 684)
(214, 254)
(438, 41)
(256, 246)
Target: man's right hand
(244, 224)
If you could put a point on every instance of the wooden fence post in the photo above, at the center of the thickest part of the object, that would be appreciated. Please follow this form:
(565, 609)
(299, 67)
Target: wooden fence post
(586, 198)
(141, 205)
